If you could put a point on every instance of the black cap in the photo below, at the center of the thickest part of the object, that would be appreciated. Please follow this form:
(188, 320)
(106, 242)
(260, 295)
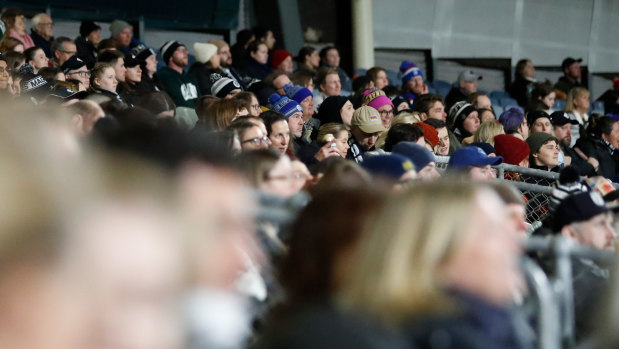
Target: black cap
(88, 27)
(534, 115)
(72, 63)
(558, 118)
(32, 84)
(131, 61)
(579, 208)
(569, 61)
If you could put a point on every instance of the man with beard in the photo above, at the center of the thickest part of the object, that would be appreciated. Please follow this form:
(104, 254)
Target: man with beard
(562, 127)
(226, 60)
(182, 87)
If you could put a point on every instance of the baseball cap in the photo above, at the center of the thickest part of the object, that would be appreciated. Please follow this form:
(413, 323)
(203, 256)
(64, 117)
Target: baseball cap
(579, 208)
(392, 166)
(559, 118)
(468, 75)
(72, 63)
(472, 156)
(569, 61)
(367, 119)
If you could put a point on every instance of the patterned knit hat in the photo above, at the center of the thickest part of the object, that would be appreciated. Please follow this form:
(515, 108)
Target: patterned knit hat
(284, 105)
(408, 71)
(222, 85)
(376, 99)
(296, 92)
(168, 48)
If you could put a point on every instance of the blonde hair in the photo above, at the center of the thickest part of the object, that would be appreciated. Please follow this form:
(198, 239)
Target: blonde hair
(406, 118)
(331, 128)
(486, 132)
(574, 93)
(405, 243)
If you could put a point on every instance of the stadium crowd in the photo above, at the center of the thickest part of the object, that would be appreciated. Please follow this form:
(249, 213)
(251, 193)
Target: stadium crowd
(131, 218)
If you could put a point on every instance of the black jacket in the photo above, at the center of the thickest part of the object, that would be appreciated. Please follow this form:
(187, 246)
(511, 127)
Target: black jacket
(146, 85)
(201, 72)
(596, 148)
(257, 70)
(40, 41)
(87, 51)
(520, 90)
(454, 96)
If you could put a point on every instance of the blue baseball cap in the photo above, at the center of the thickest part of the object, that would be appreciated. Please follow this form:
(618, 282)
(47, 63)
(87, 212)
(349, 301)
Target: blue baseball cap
(472, 156)
(392, 166)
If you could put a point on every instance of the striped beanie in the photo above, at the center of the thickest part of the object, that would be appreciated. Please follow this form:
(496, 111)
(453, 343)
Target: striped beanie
(568, 184)
(284, 105)
(222, 85)
(168, 48)
(409, 70)
(296, 92)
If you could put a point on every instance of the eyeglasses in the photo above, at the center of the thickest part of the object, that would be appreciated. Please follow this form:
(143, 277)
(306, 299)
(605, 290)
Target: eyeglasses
(3, 70)
(83, 74)
(255, 106)
(68, 52)
(386, 112)
(257, 140)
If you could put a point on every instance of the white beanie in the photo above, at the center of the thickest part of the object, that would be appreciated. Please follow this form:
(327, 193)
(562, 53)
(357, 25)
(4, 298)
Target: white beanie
(204, 51)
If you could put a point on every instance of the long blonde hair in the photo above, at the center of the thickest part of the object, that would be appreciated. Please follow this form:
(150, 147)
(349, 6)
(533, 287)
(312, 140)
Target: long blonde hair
(574, 93)
(405, 243)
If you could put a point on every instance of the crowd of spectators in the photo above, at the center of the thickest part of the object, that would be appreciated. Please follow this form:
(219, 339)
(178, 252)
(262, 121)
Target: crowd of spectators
(129, 218)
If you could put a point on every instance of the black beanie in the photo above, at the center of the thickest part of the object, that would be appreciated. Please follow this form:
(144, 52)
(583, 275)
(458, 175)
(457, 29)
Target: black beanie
(88, 27)
(329, 110)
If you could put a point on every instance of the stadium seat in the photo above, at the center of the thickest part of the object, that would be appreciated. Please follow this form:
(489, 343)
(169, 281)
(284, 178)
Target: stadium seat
(498, 110)
(597, 107)
(506, 102)
(394, 80)
(498, 95)
(559, 104)
(360, 72)
(442, 87)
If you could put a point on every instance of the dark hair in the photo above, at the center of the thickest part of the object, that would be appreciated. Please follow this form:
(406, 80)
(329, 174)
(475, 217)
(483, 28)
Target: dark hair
(270, 117)
(244, 36)
(29, 53)
(402, 133)
(303, 52)
(323, 53)
(106, 44)
(302, 77)
(600, 125)
(97, 71)
(245, 97)
(520, 66)
(253, 47)
(541, 90)
(110, 56)
(261, 33)
(472, 98)
(49, 73)
(423, 103)
(372, 73)
(436, 123)
(241, 127)
(322, 75)
(13, 59)
(157, 102)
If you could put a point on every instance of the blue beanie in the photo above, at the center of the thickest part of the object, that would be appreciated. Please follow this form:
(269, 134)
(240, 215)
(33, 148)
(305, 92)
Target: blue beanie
(409, 70)
(511, 119)
(284, 105)
(392, 166)
(420, 156)
(297, 93)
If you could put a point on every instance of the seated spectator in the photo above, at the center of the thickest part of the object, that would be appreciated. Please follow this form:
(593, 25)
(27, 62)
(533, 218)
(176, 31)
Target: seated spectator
(264, 35)
(268, 171)
(86, 43)
(378, 76)
(9, 44)
(158, 103)
(562, 129)
(330, 58)
(4, 78)
(278, 79)
(62, 49)
(464, 120)
(544, 152)
(539, 121)
(308, 60)
(334, 133)
(542, 98)
(610, 98)
(224, 87)
(133, 76)
(430, 106)
(473, 163)
(225, 64)
(404, 133)
(207, 63)
(84, 115)
(182, 87)
(486, 115)
(277, 130)
(329, 84)
(576, 108)
(442, 148)
(251, 137)
(400, 103)
(422, 158)
(524, 78)
(147, 57)
(570, 79)
(365, 127)
(413, 84)
(223, 111)
(103, 81)
(15, 23)
(479, 100)
(305, 98)
(600, 144)
(122, 33)
(303, 78)
(239, 51)
(35, 56)
(75, 69)
(513, 150)
(487, 131)
(282, 60)
(42, 32)
(257, 67)
(390, 169)
(466, 84)
(106, 45)
(338, 109)
(250, 101)
(379, 101)
(514, 123)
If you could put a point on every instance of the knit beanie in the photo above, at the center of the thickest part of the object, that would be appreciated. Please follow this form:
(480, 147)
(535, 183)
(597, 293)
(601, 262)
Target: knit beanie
(408, 71)
(376, 99)
(284, 105)
(87, 27)
(511, 119)
(222, 85)
(569, 183)
(537, 114)
(141, 53)
(296, 92)
(329, 110)
(458, 113)
(117, 26)
(536, 140)
(429, 133)
(168, 48)
(419, 155)
(392, 166)
(204, 52)
(512, 149)
(278, 57)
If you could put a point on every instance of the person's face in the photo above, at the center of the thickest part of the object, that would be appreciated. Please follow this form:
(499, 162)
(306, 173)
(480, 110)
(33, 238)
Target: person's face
(40, 60)
(487, 115)
(442, 148)
(516, 219)
(286, 65)
(341, 142)
(295, 124)
(180, 57)
(279, 179)
(582, 101)
(308, 107)
(280, 82)
(333, 58)
(429, 172)
(94, 37)
(270, 40)
(20, 24)
(255, 109)
(346, 113)
(151, 64)
(529, 70)
(486, 262)
(124, 37)
(524, 129)
(133, 74)
(300, 175)
(468, 87)
(437, 111)
(386, 115)
(542, 125)
(365, 140)
(483, 102)
(280, 136)
(68, 50)
(381, 80)
(548, 155)
(564, 134)
(549, 99)
(107, 81)
(4, 76)
(416, 85)
(82, 75)
(314, 59)
(481, 173)
(226, 56)
(597, 232)
(332, 85)
(45, 28)
(573, 71)
(120, 70)
(254, 138)
(261, 55)
(613, 137)
(471, 123)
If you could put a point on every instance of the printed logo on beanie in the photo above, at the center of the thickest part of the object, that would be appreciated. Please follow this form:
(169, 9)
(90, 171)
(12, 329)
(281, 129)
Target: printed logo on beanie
(34, 83)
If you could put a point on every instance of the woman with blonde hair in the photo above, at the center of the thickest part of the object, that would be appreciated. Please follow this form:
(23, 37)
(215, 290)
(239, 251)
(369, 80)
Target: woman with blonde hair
(576, 108)
(487, 131)
(427, 274)
(336, 133)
